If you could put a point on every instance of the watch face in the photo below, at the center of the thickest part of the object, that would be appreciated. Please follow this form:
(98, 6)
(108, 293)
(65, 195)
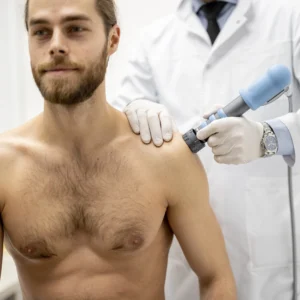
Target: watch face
(271, 143)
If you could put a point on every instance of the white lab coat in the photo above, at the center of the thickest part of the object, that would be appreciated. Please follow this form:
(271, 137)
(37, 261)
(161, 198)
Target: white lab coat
(174, 64)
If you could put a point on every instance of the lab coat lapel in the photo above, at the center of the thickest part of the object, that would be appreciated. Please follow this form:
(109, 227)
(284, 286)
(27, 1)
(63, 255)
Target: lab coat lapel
(192, 22)
(235, 23)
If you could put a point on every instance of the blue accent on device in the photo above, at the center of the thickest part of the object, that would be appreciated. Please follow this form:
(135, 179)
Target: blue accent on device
(267, 87)
(211, 118)
(204, 124)
(221, 113)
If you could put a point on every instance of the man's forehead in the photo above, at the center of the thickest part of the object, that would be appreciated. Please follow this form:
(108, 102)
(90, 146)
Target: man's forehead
(61, 8)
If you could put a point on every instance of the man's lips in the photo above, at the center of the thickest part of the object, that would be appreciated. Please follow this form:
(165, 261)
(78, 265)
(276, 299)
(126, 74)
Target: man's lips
(61, 70)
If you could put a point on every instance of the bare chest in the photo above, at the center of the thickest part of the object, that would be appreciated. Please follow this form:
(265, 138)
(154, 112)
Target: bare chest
(115, 205)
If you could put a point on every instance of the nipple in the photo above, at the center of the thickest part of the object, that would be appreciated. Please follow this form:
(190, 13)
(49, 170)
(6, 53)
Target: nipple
(136, 241)
(28, 250)
(36, 251)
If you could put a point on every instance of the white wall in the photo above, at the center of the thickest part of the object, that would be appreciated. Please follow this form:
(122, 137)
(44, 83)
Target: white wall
(20, 99)
(10, 89)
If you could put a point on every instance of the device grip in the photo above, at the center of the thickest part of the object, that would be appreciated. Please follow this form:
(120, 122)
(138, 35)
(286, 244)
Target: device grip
(220, 114)
(236, 108)
(190, 137)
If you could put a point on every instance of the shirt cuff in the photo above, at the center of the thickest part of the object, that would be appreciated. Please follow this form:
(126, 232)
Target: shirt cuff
(284, 138)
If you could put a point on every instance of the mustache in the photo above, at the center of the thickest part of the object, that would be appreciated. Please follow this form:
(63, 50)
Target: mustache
(58, 62)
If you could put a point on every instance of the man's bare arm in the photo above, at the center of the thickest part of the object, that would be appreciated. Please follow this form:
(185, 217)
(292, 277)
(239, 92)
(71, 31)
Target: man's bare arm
(195, 225)
(1, 246)
(4, 160)
(1, 223)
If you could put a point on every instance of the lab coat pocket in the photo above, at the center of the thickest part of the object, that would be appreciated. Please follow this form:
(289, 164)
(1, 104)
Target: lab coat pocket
(269, 223)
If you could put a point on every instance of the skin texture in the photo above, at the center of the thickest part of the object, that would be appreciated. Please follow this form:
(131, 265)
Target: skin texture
(88, 210)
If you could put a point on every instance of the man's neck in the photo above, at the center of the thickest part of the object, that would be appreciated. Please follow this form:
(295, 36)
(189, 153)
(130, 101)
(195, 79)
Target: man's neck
(82, 126)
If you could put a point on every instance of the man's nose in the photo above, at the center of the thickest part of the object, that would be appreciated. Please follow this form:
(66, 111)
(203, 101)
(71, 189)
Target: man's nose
(59, 45)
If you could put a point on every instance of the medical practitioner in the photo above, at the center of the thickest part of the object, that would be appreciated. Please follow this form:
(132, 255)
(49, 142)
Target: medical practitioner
(187, 64)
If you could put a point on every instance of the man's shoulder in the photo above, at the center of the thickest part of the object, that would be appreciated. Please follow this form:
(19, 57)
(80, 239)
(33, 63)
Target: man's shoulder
(9, 142)
(172, 158)
(8, 156)
(177, 169)
(15, 145)
(177, 153)
(13, 141)
(166, 160)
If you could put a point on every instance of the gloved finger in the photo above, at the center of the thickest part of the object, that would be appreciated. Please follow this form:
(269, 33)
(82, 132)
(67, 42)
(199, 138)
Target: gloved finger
(217, 139)
(133, 120)
(215, 108)
(166, 126)
(213, 128)
(223, 149)
(155, 128)
(230, 159)
(214, 141)
(144, 127)
(220, 159)
(224, 159)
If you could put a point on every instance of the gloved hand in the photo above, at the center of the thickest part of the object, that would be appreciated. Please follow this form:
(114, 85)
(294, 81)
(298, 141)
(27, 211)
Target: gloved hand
(151, 120)
(233, 140)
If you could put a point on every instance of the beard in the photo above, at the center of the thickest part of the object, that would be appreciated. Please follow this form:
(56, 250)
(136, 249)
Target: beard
(70, 91)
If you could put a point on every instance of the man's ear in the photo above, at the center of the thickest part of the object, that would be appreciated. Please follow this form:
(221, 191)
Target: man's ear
(113, 40)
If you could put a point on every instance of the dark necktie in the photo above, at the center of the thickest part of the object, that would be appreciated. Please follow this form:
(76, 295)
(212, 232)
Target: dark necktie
(211, 11)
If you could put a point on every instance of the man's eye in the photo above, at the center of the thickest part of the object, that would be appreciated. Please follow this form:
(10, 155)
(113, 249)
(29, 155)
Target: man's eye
(76, 29)
(41, 32)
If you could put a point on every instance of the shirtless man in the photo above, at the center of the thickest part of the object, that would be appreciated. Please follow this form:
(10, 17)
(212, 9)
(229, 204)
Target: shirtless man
(87, 210)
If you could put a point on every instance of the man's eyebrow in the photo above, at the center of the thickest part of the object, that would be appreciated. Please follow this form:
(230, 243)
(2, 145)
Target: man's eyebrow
(38, 21)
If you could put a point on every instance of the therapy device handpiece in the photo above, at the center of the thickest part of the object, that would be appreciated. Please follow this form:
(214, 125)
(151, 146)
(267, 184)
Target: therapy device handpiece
(265, 90)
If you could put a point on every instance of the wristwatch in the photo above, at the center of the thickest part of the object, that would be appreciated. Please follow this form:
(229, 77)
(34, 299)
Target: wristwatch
(269, 143)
